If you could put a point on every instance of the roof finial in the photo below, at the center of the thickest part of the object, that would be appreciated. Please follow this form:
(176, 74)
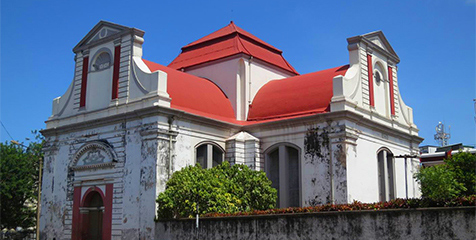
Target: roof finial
(231, 22)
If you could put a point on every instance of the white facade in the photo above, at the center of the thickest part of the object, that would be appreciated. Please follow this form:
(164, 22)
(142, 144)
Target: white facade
(126, 147)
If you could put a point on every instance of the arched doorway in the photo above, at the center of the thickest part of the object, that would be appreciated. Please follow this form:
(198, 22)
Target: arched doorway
(92, 204)
(92, 216)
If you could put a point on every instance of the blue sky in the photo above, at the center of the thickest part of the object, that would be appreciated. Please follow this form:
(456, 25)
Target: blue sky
(435, 40)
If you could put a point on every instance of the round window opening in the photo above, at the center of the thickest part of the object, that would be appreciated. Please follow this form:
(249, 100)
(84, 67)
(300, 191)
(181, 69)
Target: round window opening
(102, 62)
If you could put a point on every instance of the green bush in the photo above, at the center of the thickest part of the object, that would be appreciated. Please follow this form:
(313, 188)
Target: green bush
(438, 182)
(222, 189)
(454, 179)
(463, 165)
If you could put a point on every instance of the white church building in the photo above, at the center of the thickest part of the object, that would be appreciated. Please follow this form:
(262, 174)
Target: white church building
(125, 124)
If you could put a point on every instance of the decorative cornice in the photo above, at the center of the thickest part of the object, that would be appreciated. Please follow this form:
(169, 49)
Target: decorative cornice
(117, 42)
(85, 52)
(93, 166)
(148, 111)
(345, 136)
(157, 133)
(369, 50)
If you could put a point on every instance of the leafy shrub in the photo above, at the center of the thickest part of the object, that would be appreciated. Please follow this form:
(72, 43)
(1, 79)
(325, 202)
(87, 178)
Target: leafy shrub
(463, 165)
(223, 189)
(455, 178)
(438, 182)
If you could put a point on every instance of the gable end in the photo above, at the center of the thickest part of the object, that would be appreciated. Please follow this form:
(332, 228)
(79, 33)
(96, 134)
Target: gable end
(103, 32)
(369, 38)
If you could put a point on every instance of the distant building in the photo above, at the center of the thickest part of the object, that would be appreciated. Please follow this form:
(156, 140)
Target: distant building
(125, 124)
(433, 155)
(428, 149)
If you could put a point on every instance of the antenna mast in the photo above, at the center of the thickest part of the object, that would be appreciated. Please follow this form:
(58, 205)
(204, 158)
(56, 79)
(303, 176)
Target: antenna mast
(441, 136)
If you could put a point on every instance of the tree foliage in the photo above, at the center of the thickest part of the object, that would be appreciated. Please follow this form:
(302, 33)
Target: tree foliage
(463, 165)
(437, 182)
(19, 183)
(454, 179)
(222, 189)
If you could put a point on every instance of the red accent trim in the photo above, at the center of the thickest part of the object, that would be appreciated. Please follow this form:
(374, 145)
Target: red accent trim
(448, 154)
(80, 221)
(371, 80)
(76, 214)
(84, 224)
(392, 101)
(87, 195)
(107, 220)
(84, 82)
(115, 74)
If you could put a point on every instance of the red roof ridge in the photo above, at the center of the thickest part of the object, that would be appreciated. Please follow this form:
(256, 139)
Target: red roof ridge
(232, 24)
(208, 53)
(226, 31)
(229, 41)
(243, 45)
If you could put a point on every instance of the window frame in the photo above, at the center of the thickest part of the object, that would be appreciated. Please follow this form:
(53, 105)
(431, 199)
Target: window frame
(283, 172)
(386, 183)
(210, 146)
(95, 57)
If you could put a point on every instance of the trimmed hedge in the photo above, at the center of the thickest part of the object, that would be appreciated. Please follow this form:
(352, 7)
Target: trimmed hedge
(224, 188)
(356, 206)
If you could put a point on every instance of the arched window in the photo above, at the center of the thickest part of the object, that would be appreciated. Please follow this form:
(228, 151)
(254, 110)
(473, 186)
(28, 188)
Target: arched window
(386, 174)
(209, 155)
(101, 61)
(378, 77)
(379, 73)
(282, 166)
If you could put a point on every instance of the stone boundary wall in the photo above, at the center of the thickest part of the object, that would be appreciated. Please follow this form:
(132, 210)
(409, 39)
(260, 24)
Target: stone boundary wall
(428, 223)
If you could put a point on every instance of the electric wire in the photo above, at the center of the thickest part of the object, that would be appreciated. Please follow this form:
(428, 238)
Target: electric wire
(7, 131)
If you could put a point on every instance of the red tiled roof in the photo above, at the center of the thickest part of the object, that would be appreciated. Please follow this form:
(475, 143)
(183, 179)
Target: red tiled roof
(299, 95)
(195, 95)
(229, 41)
(287, 98)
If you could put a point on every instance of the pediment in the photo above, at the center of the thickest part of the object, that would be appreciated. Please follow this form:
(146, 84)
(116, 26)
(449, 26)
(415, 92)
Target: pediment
(378, 41)
(104, 31)
(94, 155)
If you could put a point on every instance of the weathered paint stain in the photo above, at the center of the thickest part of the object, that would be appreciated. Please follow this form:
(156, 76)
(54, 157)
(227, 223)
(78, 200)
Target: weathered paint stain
(319, 148)
(316, 142)
(389, 224)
